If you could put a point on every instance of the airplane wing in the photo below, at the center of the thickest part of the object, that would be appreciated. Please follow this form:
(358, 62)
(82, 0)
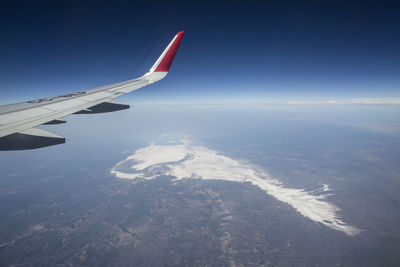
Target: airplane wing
(17, 121)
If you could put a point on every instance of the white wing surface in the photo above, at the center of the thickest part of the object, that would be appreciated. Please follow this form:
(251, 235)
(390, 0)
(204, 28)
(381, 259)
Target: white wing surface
(17, 121)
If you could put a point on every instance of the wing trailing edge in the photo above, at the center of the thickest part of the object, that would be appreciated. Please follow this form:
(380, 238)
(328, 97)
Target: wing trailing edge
(104, 108)
(30, 139)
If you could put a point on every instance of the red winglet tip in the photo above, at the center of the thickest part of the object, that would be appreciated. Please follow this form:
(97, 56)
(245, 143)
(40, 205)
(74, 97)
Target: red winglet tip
(166, 62)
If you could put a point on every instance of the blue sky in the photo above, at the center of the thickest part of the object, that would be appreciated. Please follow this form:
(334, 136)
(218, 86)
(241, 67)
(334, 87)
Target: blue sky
(232, 50)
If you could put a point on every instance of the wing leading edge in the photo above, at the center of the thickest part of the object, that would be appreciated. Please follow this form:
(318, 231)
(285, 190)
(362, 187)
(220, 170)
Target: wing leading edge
(17, 120)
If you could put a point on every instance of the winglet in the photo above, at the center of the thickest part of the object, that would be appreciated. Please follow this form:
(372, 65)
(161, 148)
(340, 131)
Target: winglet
(164, 62)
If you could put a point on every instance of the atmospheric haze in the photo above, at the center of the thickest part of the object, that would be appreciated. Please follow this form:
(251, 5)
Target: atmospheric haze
(183, 159)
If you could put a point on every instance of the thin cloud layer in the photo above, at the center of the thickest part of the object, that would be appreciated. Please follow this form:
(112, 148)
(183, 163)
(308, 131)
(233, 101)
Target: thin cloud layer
(185, 160)
(361, 101)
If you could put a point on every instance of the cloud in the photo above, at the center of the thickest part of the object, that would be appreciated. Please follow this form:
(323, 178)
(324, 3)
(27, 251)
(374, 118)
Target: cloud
(363, 101)
(185, 160)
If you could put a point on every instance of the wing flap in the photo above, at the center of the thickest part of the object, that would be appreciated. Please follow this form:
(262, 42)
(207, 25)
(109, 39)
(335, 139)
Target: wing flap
(64, 105)
(57, 121)
(104, 108)
(30, 139)
(13, 117)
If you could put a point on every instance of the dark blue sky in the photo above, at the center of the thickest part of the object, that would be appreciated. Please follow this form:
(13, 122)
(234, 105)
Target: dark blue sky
(234, 50)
